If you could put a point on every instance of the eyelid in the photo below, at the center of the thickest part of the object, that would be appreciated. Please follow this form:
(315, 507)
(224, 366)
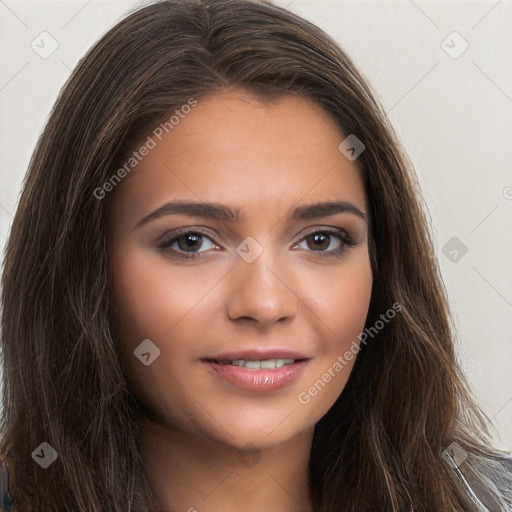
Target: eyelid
(170, 237)
(341, 232)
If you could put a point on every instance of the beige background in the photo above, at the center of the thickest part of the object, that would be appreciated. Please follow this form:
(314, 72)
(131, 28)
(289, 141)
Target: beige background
(451, 107)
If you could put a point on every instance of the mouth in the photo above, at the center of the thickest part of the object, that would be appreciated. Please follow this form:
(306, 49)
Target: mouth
(257, 374)
(257, 364)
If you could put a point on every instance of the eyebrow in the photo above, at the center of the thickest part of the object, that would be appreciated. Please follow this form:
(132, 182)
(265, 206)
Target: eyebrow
(221, 212)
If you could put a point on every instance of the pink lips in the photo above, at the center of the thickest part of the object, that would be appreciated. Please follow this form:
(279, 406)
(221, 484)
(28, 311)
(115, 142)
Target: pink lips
(257, 380)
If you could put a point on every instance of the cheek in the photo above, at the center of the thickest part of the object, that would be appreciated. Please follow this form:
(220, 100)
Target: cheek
(152, 301)
(341, 300)
(341, 306)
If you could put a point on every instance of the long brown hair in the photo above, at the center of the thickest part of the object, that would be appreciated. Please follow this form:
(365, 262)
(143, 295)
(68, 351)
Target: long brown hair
(379, 447)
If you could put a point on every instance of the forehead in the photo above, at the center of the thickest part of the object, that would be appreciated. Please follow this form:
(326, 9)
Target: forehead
(235, 149)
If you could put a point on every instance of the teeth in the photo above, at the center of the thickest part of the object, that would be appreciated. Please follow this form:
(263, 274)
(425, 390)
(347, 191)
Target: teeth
(267, 364)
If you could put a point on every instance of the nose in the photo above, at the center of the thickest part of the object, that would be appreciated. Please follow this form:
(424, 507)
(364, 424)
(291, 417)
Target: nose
(260, 293)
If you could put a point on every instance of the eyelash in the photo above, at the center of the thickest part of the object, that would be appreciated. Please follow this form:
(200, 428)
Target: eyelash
(169, 239)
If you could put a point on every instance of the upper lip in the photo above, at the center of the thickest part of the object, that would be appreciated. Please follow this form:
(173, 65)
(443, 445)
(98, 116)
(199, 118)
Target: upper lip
(258, 354)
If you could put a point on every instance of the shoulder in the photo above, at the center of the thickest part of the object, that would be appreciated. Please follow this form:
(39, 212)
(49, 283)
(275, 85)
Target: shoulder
(6, 501)
(487, 480)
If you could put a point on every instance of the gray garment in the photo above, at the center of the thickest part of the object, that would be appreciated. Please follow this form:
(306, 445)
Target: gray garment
(487, 481)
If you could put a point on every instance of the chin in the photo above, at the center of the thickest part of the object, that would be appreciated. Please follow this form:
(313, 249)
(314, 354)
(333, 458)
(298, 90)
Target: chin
(259, 434)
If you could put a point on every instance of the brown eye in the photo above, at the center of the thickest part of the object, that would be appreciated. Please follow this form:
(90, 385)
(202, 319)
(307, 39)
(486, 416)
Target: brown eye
(185, 243)
(190, 242)
(328, 242)
(320, 241)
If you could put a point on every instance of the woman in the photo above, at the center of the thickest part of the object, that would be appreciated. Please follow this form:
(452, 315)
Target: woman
(220, 291)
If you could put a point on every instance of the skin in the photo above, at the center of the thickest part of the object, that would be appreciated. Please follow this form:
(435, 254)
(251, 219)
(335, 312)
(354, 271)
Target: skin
(206, 444)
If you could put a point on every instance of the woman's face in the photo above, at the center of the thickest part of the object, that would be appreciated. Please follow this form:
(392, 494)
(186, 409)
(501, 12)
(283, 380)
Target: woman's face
(265, 275)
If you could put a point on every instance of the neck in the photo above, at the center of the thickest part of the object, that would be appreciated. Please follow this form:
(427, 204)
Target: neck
(191, 473)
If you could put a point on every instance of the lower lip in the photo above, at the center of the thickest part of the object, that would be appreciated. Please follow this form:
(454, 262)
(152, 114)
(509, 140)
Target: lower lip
(257, 380)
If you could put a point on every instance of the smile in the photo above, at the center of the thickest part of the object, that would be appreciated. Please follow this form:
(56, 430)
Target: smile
(266, 364)
(257, 375)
